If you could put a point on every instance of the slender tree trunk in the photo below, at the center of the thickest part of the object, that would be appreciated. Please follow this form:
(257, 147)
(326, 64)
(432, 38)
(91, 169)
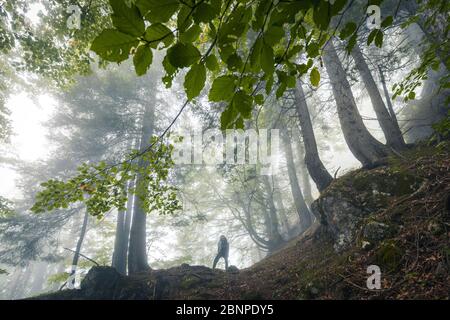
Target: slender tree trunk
(39, 273)
(276, 238)
(249, 224)
(300, 205)
(127, 226)
(369, 151)
(137, 255)
(435, 32)
(306, 184)
(15, 285)
(21, 288)
(280, 206)
(391, 131)
(76, 256)
(119, 260)
(316, 169)
(387, 96)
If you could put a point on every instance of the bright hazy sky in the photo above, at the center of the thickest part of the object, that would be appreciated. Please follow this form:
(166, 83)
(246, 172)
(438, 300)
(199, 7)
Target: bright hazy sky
(28, 142)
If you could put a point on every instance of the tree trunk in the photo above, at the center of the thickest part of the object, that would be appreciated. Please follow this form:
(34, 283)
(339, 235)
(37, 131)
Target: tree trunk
(391, 131)
(137, 255)
(76, 256)
(316, 169)
(435, 32)
(369, 151)
(306, 184)
(280, 206)
(20, 289)
(300, 205)
(249, 224)
(119, 260)
(39, 273)
(275, 236)
(387, 96)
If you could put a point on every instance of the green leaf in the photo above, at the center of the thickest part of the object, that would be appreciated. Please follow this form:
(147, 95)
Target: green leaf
(242, 102)
(348, 30)
(158, 10)
(222, 88)
(351, 43)
(211, 63)
(379, 39)
(313, 50)
(314, 77)
(269, 84)
(259, 99)
(267, 59)
(387, 22)
(191, 34)
(204, 13)
(255, 55)
(142, 59)
(157, 33)
(372, 36)
(273, 35)
(281, 89)
(337, 6)
(195, 80)
(184, 19)
(170, 72)
(127, 19)
(234, 62)
(183, 55)
(113, 45)
(322, 15)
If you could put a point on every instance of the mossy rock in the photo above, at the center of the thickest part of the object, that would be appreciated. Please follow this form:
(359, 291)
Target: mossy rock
(189, 281)
(374, 188)
(389, 255)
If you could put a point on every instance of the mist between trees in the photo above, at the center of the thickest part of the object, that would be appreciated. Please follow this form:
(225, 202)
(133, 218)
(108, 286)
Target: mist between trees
(270, 101)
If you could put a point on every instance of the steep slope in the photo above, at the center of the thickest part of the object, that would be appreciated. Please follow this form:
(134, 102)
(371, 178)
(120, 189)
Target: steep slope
(396, 217)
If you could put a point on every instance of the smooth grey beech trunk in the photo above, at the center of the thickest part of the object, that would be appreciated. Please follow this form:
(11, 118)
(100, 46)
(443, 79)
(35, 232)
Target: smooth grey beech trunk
(272, 223)
(137, 254)
(387, 97)
(280, 207)
(76, 256)
(369, 151)
(119, 260)
(316, 169)
(302, 209)
(390, 127)
(304, 175)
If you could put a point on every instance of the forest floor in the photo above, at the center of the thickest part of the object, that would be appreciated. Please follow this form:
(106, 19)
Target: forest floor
(414, 259)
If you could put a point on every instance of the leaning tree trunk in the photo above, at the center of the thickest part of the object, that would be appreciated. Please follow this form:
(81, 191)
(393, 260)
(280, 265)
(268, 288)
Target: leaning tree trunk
(300, 205)
(316, 169)
(387, 96)
(76, 256)
(306, 184)
(137, 255)
(369, 151)
(436, 33)
(391, 131)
